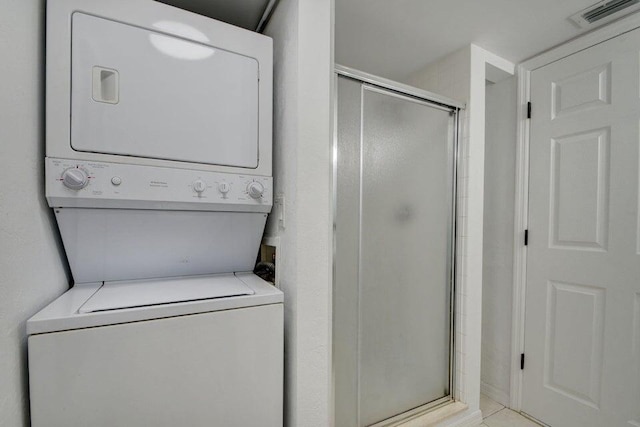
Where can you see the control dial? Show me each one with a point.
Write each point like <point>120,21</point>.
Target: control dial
<point>255,190</point>
<point>199,186</point>
<point>224,187</point>
<point>75,178</point>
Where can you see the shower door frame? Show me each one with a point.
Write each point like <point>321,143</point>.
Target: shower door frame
<point>433,100</point>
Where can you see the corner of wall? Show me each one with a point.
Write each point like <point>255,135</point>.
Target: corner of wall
<point>475,167</point>
<point>303,66</point>
<point>448,76</point>
<point>498,241</point>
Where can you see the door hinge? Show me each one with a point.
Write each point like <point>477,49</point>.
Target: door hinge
<point>528,110</point>
<point>526,237</point>
<point>521,361</point>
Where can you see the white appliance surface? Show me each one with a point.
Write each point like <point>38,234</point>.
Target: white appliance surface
<point>178,100</point>
<point>159,173</point>
<point>172,88</point>
<point>217,362</point>
<point>157,221</point>
<point>65,312</point>
<point>141,293</point>
<point>127,244</point>
<point>115,185</point>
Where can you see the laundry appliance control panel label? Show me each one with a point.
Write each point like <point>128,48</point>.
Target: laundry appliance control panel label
<point>72,183</point>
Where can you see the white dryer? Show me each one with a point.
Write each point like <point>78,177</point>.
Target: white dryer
<point>158,169</point>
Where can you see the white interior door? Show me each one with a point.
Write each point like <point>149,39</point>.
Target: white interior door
<point>582,338</point>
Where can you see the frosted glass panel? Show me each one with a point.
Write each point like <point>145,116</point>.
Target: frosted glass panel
<point>404,255</point>
<point>393,243</point>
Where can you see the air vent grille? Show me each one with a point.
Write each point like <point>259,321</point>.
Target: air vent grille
<point>604,11</point>
<point>607,9</point>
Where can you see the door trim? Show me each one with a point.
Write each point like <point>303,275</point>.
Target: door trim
<point>523,72</point>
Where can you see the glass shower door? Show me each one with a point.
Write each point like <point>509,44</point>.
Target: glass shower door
<point>393,263</point>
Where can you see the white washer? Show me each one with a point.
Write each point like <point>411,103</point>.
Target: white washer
<point>209,362</point>
<point>158,170</point>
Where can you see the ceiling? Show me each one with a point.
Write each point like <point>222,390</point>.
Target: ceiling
<point>394,38</point>
<point>241,13</point>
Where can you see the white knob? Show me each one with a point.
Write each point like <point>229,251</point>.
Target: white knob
<point>199,186</point>
<point>75,178</point>
<point>224,187</point>
<point>255,190</point>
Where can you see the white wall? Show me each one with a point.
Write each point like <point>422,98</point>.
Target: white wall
<point>302,33</point>
<point>32,267</point>
<point>497,275</point>
<point>449,76</point>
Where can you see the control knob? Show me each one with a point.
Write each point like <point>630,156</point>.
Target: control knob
<point>255,190</point>
<point>199,186</point>
<point>224,187</point>
<point>75,178</point>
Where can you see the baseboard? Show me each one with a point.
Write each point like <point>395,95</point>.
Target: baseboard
<point>494,393</point>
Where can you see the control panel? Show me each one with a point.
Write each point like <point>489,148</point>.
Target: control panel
<point>72,183</point>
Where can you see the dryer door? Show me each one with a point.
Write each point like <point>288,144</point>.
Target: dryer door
<point>144,93</point>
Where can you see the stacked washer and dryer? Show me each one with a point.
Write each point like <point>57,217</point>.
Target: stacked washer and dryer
<point>158,169</point>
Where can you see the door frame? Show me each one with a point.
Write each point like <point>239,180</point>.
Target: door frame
<point>523,73</point>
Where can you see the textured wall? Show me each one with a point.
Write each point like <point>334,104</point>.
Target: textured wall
<point>302,33</point>
<point>32,267</point>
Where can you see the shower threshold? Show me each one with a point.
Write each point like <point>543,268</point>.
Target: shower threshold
<point>426,416</point>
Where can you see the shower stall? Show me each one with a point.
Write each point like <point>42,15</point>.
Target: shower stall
<point>395,156</point>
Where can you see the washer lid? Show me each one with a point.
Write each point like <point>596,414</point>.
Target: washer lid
<point>142,293</point>
<point>63,314</point>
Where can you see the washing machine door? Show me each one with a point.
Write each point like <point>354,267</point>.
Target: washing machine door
<point>127,82</point>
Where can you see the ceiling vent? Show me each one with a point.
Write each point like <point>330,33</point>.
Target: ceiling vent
<point>603,12</point>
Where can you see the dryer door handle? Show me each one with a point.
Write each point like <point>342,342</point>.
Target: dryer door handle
<point>106,85</point>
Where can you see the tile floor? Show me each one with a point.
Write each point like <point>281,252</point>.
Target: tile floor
<point>496,415</point>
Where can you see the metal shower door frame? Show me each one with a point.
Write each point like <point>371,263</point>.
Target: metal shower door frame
<point>430,99</point>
